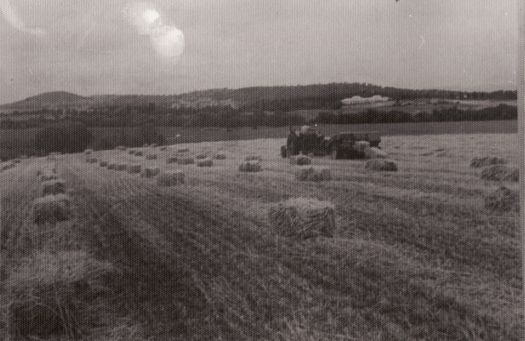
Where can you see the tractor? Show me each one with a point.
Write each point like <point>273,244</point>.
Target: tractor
<point>344,145</point>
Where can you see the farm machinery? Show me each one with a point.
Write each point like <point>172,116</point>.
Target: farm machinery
<point>344,145</point>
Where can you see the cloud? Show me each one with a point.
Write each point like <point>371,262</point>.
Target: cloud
<point>15,21</point>
<point>166,40</point>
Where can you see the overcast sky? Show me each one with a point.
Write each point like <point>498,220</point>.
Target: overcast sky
<point>173,46</point>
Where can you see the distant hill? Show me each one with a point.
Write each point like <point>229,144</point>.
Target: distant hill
<point>283,98</point>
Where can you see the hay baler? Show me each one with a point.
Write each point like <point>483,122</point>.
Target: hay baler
<point>344,145</point>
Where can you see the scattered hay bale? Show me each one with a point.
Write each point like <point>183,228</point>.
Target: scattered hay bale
<point>51,208</point>
<point>303,218</point>
<point>250,166</point>
<point>313,174</point>
<point>151,157</point>
<point>220,156</point>
<point>201,156</point>
<point>150,172</point>
<point>381,165</point>
<point>253,158</point>
<point>185,161</point>
<point>503,200</point>
<point>170,178</point>
<point>300,160</point>
<point>500,173</point>
<point>50,295</point>
<point>183,150</point>
<point>478,162</point>
<point>121,167</point>
<point>172,159</point>
<point>88,151</point>
<point>103,163</point>
<point>57,186</point>
<point>134,169</point>
<point>205,163</point>
<point>361,146</point>
<point>375,153</point>
<point>112,165</point>
<point>139,153</point>
<point>121,148</point>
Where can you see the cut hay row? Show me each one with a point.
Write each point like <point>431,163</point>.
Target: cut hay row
<point>183,150</point>
<point>201,156</point>
<point>220,156</point>
<point>250,166</point>
<point>381,165</point>
<point>185,161</point>
<point>300,160</point>
<point>503,200</point>
<point>479,162</point>
<point>151,157</point>
<point>170,178</point>
<point>134,168</point>
<point>500,173</point>
<point>313,174</point>
<point>303,218</point>
<point>7,166</point>
<point>204,163</point>
<point>172,159</point>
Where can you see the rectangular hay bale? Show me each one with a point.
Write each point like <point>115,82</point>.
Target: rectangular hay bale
<point>51,208</point>
<point>171,178</point>
<point>150,172</point>
<point>313,174</point>
<point>56,186</point>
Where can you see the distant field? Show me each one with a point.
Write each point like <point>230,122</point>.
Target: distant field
<point>415,255</point>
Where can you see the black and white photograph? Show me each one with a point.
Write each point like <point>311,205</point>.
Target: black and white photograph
<point>281,170</point>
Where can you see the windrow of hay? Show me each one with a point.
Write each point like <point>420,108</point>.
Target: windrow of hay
<point>139,153</point>
<point>171,178</point>
<point>500,173</point>
<point>313,174</point>
<point>250,166</point>
<point>150,172</point>
<point>50,294</point>
<point>300,160</point>
<point>163,148</point>
<point>57,186</point>
<point>381,165</point>
<point>204,163</point>
<point>51,208</point>
<point>134,168</point>
<point>478,162</point>
<point>201,156</point>
<point>151,157</point>
<point>7,166</point>
<point>220,156</point>
<point>503,200</point>
<point>183,150</point>
<point>375,153</point>
<point>303,218</point>
<point>172,159</point>
<point>185,161</point>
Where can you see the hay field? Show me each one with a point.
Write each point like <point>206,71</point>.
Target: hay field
<point>415,255</point>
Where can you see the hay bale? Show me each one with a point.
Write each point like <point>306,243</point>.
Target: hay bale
<point>313,174</point>
<point>303,218</point>
<point>121,167</point>
<point>50,295</point>
<point>201,156</point>
<point>220,156</point>
<point>151,157</point>
<point>500,173</point>
<point>253,158</point>
<point>478,162</point>
<point>112,165</point>
<point>170,178</point>
<point>91,160</point>
<point>172,159</point>
<point>185,161</point>
<point>139,153</point>
<point>134,169</point>
<point>503,200</point>
<point>57,186</point>
<point>250,166</point>
<point>51,208</point>
<point>300,160</point>
<point>381,165</point>
<point>183,150</point>
<point>121,148</point>
<point>150,172</point>
<point>103,163</point>
<point>375,153</point>
<point>205,163</point>
<point>361,146</point>
<point>88,151</point>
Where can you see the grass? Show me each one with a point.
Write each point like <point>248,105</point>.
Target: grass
<point>414,255</point>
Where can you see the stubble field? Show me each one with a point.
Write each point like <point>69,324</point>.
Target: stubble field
<point>415,254</point>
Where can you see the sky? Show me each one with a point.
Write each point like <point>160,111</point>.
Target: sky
<point>174,46</point>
